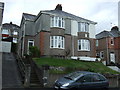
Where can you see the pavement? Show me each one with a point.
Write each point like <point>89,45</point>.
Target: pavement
<point>10,74</point>
<point>0,70</point>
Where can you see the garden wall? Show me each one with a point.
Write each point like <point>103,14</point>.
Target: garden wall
<point>47,79</point>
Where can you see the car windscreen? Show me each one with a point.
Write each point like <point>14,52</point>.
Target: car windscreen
<point>73,76</point>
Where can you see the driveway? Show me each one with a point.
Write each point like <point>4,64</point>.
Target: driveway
<point>10,74</point>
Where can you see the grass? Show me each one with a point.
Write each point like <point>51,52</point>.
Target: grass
<point>73,65</point>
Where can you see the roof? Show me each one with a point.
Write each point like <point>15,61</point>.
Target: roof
<point>112,33</point>
<point>55,12</point>
<point>10,26</point>
<point>65,14</point>
<point>29,16</point>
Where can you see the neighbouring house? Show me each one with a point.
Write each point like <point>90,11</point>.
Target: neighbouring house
<point>108,46</point>
<point>10,32</point>
<point>9,37</point>
<point>58,33</point>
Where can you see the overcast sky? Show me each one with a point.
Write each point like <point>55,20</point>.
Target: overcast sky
<point>104,12</point>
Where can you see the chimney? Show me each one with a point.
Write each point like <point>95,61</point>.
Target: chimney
<point>58,7</point>
<point>10,22</point>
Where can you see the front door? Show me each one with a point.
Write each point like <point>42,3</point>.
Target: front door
<point>112,57</point>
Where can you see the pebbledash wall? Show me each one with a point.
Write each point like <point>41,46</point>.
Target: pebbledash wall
<point>58,33</point>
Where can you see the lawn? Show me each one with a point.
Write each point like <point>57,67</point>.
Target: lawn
<point>73,65</point>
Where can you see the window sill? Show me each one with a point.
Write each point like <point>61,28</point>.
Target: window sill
<point>83,50</point>
<point>56,48</point>
<point>58,27</point>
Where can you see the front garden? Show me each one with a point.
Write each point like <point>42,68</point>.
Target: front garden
<point>66,66</point>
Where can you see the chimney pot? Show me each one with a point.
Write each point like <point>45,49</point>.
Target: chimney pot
<point>58,7</point>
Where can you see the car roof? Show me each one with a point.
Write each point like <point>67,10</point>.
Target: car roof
<point>78,74</point>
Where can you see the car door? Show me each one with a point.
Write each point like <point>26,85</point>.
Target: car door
<point>85,82</point>
<point>98,81</point>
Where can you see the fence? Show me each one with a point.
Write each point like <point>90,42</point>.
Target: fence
<point>25,70</point>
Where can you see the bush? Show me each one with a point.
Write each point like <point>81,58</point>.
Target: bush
<point>34,51</point>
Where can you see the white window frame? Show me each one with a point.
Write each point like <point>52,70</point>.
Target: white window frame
<point>82,27</point>
<point>57,22</point>
<point>30,41</point>
<point>83,45</point>
<point>57,42</point>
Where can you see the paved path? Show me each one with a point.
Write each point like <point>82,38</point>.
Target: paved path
<point>0,70</point>
<point>10,74</point>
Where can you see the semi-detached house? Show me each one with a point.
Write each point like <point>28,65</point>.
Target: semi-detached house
<point>58,33</point>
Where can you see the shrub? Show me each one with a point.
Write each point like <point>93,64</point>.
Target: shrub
<point>34,51</point>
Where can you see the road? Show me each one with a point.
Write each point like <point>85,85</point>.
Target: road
<point>0,70</point>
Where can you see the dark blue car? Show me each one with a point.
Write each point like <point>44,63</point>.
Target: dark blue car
<point>82,80</point>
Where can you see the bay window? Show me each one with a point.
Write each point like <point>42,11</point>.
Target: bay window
<point>83,45</point>
<point>83,27</point>
<point>57,42</point>
<point>57,22</point>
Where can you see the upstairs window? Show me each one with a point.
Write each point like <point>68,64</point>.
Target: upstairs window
<point>15,33</point>
<point>57,42</point>
<point>83,45</point>
<point>97,43</point>
<point>57,22</point>
<point>5,31</point>
<point>83,27</point>
<point>112,41</point>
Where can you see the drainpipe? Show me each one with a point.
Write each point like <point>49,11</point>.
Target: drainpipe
<point>107,50</point>
<point>73,46</point>
<point>23,40</point>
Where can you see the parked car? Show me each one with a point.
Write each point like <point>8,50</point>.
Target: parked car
<point>82,80</point>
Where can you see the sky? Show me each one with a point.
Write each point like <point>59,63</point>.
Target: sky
<point>104,12</point>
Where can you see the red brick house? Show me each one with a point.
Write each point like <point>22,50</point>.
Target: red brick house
<point>108,46</point>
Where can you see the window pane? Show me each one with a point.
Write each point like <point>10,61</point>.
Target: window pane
<point>52,21</point>
<point>4,31</point>
<point>83,44</point>
<point>51,41</point>
<point>83,27</point>
<point>57,42</point>
<point>15,40</point>
<point>60,22</point>
<point>15,33</point>
<point>57,22</point>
